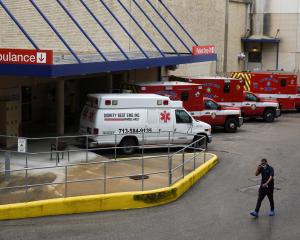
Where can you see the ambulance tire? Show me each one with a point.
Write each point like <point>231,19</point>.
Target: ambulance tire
<point>269,115</point>
<point>231,125</point>
<point>129,145</point>
<point>202,144</point>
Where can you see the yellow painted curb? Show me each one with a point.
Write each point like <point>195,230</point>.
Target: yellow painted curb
<point>105,202</point>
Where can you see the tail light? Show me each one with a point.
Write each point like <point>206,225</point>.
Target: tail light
<point>96,131</point>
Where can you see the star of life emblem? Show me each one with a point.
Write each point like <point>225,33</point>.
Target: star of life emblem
<point>165,116</point>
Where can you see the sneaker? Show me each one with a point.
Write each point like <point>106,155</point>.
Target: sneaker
<point>272,213</point>
<point>254,214</point>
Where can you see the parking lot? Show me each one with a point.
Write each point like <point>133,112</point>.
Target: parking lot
<point>217,207</point>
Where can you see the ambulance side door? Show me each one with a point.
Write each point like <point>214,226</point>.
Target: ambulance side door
<point>151,128</point>
<point>251,105</point>
<point>183,125</point>
<point>165,125</point>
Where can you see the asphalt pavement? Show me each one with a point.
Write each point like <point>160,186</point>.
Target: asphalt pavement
<point>217,207</point>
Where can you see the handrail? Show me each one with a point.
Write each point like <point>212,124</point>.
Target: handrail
<point>173,159</point>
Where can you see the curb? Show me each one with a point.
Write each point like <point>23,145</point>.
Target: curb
<point>106,202</point>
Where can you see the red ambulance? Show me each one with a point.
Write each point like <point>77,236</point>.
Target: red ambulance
<point>230,92</point>
<point>201,108</point>
<point>273,85</point>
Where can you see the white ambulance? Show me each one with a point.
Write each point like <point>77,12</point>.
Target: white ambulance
<point>130,120</point>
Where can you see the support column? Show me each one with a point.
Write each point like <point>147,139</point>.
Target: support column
<point>110,83</point>
<point>60,106</point>
<point>226,37</point>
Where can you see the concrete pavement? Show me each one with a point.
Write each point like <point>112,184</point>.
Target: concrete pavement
<point>215,208</point>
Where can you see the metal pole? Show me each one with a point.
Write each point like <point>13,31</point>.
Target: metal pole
<point>277,56</point>
<point>7,166</point>
<point>169,161</point>
<point>115,147</point>
<point>183,162</point>
<point>226,37</point>
<point>104,170</point>
<point>194,156</point>
<point>26,178</point>
<point>143,170</point>
<point>86,147</point>
<point>169,142</point>
<point>66,181</point>
<point>57,154</point>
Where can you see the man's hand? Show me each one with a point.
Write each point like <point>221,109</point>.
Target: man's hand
<point>265,185</point>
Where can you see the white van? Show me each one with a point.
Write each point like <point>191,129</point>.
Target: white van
<point>129,120</point>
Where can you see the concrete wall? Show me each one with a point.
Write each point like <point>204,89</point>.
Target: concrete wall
<point>238,24</point>
<point>270,15</point>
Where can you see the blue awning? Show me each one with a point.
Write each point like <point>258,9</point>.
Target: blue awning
<point>260,39</point>
<point>177,41</point>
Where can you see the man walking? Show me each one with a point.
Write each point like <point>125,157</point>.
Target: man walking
<point>266,186</point>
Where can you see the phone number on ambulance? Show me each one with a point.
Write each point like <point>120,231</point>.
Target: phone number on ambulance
<point>135,130</point>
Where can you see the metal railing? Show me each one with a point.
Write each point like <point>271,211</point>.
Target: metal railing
<point>33,176</point>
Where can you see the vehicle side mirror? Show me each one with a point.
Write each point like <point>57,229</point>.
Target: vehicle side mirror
<point>191,120</point>
<point>258,100</point>
<point>219,107</point>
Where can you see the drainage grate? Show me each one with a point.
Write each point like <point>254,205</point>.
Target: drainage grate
<point>139,177</point>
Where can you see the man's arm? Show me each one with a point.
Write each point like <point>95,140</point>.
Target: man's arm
<point>270,178</point>
<point>258,170</point>
<point>267,182</point>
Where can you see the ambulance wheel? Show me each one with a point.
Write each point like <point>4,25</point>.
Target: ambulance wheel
<point>231,125</point>
<point>202,144</point>
<point>269,115</point>
<point>128,145</point>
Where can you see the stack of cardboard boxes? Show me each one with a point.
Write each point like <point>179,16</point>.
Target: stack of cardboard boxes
<point>10,120</point>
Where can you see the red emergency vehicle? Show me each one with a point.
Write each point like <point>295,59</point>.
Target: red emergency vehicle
<point>230,92</point>
<point>201,108</point>
<point>273,85</point>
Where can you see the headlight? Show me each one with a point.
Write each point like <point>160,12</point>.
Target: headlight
<point>208,130</point>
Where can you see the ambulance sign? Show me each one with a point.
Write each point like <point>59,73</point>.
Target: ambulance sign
<point>204,50</point>
<point>26,56</point>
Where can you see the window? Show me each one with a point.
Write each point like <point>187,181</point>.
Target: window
<point>283,82</point>
<point>250,97</point>
<point>184,96</point>
<point>226,87</point>
<point>210,105</point>
<point>182,117</point>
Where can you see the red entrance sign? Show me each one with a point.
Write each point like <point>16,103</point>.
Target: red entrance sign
<point>25,56</point>
<point>204,50</point>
